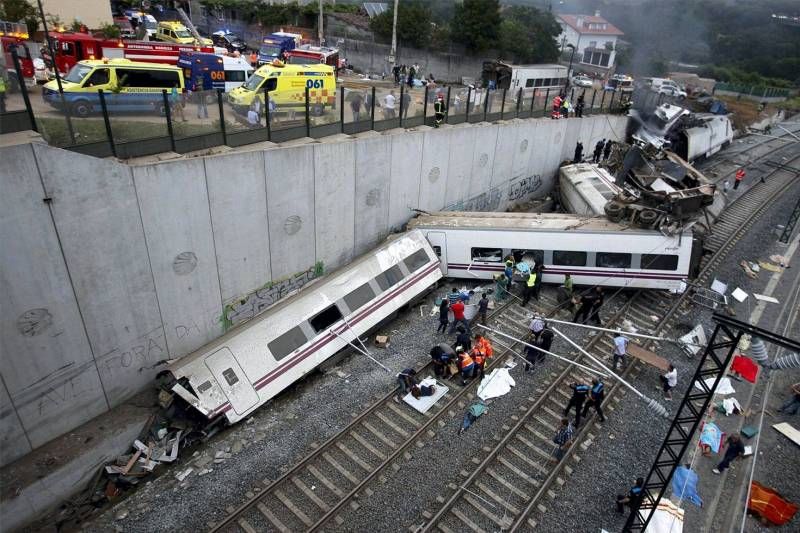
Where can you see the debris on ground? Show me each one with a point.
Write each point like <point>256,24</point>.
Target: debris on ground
<point>748,270</point>
<point>381,341</point>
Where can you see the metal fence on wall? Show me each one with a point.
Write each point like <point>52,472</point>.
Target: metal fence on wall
<point>125,125</point>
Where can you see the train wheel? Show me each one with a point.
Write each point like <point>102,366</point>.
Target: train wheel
<point>648,217</point>
<point>614,211</point>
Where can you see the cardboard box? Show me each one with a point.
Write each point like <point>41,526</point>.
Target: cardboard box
<point>381,341</point>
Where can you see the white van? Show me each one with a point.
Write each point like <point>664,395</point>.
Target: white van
<point>665,86</point>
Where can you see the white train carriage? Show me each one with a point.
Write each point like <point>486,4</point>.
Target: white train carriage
<point>585,188</point>
<point>594,251</point>
<point>247,366</point>
<point>709,136</point>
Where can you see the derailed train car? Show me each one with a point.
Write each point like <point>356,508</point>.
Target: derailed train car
<point>243,369</point>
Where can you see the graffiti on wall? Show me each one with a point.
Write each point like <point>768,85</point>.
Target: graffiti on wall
<point>520,188</point>
<point>488,201</point>
<point>244,308</point>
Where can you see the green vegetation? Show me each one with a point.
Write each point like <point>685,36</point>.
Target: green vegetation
<point>111,31</point>
<point>528,35</point>
<point>279,14</point>
<point>19,11</point>
<point>413,23</point>
<point>477,24</point>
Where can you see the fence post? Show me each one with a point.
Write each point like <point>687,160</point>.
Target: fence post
<point>611,102</point>
<point>168,115</point>
<point>486,103</point>
<point>424,107</point>
<point>268,114</point>
<point>23,88</point>
<point>572,94</point>
<point>341,110</point>
<point>591,106</point>
<point>107,122</point>
<point>533,101</point>
<point>503,104</point>
<point>222,117</point>
<point>546,98</point>
<point>447,109</point>
<point>372,112</point>
<point>602,99</point>
<point>308,115</point>
<point>519,100</point>
<point>469,102</point>
<point>402,87</point>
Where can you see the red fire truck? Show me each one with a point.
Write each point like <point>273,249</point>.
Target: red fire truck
<point>15,35</point>
<point>71,47</point>
<point>307,54</point>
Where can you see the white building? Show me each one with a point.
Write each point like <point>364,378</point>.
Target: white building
<point>594,39</point>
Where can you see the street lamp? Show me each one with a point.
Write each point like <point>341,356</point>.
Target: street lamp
<point>569,68</point>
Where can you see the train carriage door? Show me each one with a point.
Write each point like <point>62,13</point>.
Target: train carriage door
<point>438,240</point>
<point>232,380</point>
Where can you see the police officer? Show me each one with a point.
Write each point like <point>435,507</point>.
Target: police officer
<point>634,497</point>
<point>439,109</point>
<point>596,396</point>
<point>579,392</point>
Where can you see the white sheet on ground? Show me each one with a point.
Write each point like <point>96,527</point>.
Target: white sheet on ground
<point>729,404</point>
<point>695,340</point>
<point>426,402</point>
<point>667,518</point>
<point>724,387</point>
<point>498,383</point>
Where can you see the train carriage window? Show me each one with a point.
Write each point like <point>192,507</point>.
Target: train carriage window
<point>287,343</point>
<point>325,318</point>
<point>536,255</point>
<point>389,277</point>
<point>613,260</point>
<point>569,258</point>
<point>359,297</point>
<point>487,255</point>
<point>230,377</point>
<point>204,386</point>
<point>659,262</point>
<point>438,251</point>
<point>416,260</point>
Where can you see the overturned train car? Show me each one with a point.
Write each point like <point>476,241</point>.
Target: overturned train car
<point>229,378</point>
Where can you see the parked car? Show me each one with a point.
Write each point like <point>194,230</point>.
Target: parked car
<point>672,90</point>
<point>229,41</point>
<point>582,81</point>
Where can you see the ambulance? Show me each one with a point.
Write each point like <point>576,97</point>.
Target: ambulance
<point>175,32</point>
<point>127,86</point>
<point>287,85</point>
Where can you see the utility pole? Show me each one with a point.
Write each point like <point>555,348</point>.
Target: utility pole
<point>393,53</point>
<point>320,32</point>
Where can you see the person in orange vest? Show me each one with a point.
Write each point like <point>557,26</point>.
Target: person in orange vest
<point>253,59</point>
<point>556,113</point>
<point>465,364</point>
<point>739,177</point>
<point>481,352</point>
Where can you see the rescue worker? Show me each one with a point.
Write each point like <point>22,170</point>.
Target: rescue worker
<point>579,393</point>
<point>607,149</point>
<point>463,339</point>
<point>586,302</point>
<point>565,292</point>
<point>634,497</point>
<point>578,153</point>
<point>536,353</point>
<point>740,174</point>
<point>458,316</point>
<point>405,380</point>
<point>565,105</point>
<point>596,305</point>
<point>441,356</point>
<point>620,350</point>
<point>481,351</point>
<point>483,308</point>
<point>485,345</point>
<point>500,287</point>
<point>439,110</point>
<point>579,106</point>
<point>537,286</point>
<point>529,286</point>
<point>253,59</point>
<point>509,272</point>
<point>556,113</point>
<point>598,151</point>
<point>537,326</point>
<point>465,364</point>
<point>596,396</point>
<point>444,320</point>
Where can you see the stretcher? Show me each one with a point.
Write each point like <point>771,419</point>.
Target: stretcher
<point>648,357</point>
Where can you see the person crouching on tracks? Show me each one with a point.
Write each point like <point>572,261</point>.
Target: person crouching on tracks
<point>596,395</point>
<point>442,355</point>
<point>634,497</point>
<point>465,364</point>
<point>405,381</point>
<point>535,354</point>
<point>537,326</point>
<point>579,393</point>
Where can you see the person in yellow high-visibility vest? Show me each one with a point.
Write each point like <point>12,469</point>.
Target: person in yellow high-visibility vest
<point>529,288</point>
<point>2,94</point>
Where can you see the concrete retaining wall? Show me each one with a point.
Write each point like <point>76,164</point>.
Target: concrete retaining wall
<point>108,270</point>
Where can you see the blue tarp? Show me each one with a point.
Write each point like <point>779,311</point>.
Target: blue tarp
<point>684,485</point>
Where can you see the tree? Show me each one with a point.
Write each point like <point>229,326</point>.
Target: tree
<point>413,23</point>
<point>529,35</point>
<point>476,24</point>
<point>19,11</point>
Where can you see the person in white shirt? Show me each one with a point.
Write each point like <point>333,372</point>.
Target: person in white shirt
<point>620,349</point>
<point>668,382</point>
<point>388,105</point>
<point>536,326</point>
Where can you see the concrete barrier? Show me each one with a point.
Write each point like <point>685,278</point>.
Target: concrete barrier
<point>110,269</point>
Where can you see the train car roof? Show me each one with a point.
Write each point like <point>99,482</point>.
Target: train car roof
<point>308,293</point>
<point>522,222</point>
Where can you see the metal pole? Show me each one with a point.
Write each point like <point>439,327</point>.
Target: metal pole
<point>602,99</point>
<point>546,97</point>
<point>168,115</point>
<point>503,104</point>
<point>308,117</point>
<point>607,330</point>
<point>519,100</point>
<point>469,101</point>
<point>393,53</point>
<point>320,29</point>
<point>58,76</point>
<point>486,103</point>
<point>570,361</point>
<point>222,117</point>
<point>341,110</point>
<point>533,100</point>
<point>23,88</point>
<point>611,102</point>
<point>372,113</point>
<point>268,114</point>
<point>594,93</point>
<point>447,109</point>
<point>107,122</point>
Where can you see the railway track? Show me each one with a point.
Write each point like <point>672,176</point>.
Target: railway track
<point>330,481</point>
<point>507,489</point>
